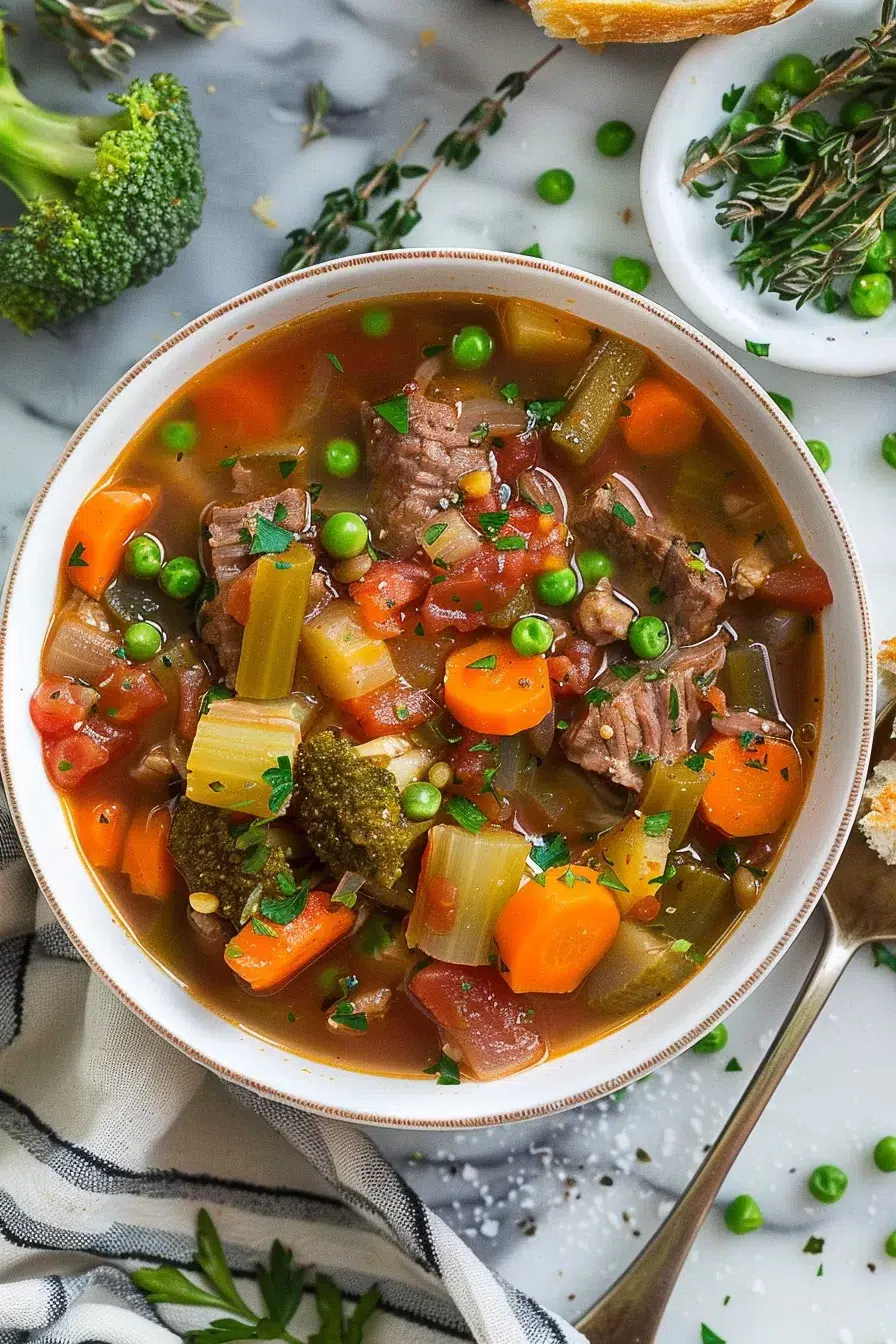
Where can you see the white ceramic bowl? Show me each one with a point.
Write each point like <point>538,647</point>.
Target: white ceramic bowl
<point>695,252</point>
<point>616,1059</point>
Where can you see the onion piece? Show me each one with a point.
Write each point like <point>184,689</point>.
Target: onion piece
<point>82,645</point>
<point>449,538</point>
<point>540,738</point>
<point>347,889</point>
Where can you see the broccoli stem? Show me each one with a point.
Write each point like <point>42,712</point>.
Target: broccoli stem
<point>43,153</point>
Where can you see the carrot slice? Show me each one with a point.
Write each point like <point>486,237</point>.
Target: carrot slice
<point>101,828</point>
<point>266,955</point>
<point>491,688</point>
<point>99,530</point>
<point>237,596</point>
<point>246,403</point>
<point>661,419</point>
<point>145,859</point>
<point>550,936</point>
<point>755,785</point>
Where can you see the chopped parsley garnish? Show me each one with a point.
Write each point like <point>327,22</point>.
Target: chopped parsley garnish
<point>76,559</point>
<point>657,595</point>
<point>512,543</point>
<point>733,1065</point>
<point>623,514</point>
<point>607,878</point>
<point>533,250</point>
<point>402,713</point>
<point>486,664</point>
<point>335,361</point>
<point>657,823</point>
<point>287,466</point>
<point>674,707</point>
<point>681,945</point>
<point>553,852</point>
<point>642,757</point>
<point>483,746</point>
<point>758,765</point>
<point>314,490</point>
<point>883,956</point>
<point>256,858</point>
<point>270,538</point>
<point>697,760</point>
<point>466,814</point>
<point>479,433</point>
<point>624,671</point>
<point>433,532</point>
<point>212,694</point>
<point>491,523</point>
<point>759,348</point>
<point>259,926</point>
<point>279,777</point>
<point>544,412</point>
<point>228,461</point>
<point>292,904</point>
<point>395,412</point>
<point>814,1246</point>
<point>344,1015</point>
<point>64,766</point>
<point>731,99</point>
<point>708,1336</point>
<point>445,1070</point>
<point>728,858</point>
<point>665,877</point>
<point>510,392</point>
<point>430,350</point>
<point>377,934</point>
<point>747,740</point>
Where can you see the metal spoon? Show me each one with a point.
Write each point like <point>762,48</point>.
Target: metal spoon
<point>860,905</point>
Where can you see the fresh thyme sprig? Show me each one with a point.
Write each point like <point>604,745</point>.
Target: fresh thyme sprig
<point>348,208</point>
<point>100,37</point>
<point>281,1284</point>
<point>813,223</point>
<point>318,102</point>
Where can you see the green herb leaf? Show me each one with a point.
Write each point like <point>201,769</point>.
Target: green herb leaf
<point>759,348</point>
<point>814,1246</point>
<point>883,956</point>
<point>259,926</point>
<point>607,878</point>
<point>486,664</point>
<point>256,858</point>
<point>657,823</point>
<point>377,934</point>
<point>430,350</point>
<point>510,392</point>
<point>229,461</point>
<point>642,757</point>
<point>681,945</point>
<point>623,514</point>
<point>167,1284</point>
<point>667,876</point>
<point>512,543</point>
<point>343,1013</point>
<point>728,858</point>
<point>210,1259</point>
<point>433,532</point>
<point>212,694</point>
<point>733,1065</point>
<point>479,433</point>
<point>784,403</point>
<point>697,760</point>
<point>446,1071</point>
<point>281,1284</point>
<point>748,740</point>
<point>335,361</point>
<point>542,413</point>
<point>279,777</point>
<point>287,466</point>
<point>598,696</point>
<point>465,813</point>
<point>270,538</point>
<point>395,412</point>
<point>708,1336</point>
<point>552,852</point>
<point>657,595</point>
<point>624,671</point>
<point>674,706</point>
<point>731,99</point>
<point>491,523</point>
<point>76,559</point>
<point>533,250</point>
<point>291,906</point>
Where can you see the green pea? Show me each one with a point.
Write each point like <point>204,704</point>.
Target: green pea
<point>531,636</point>
<point>829,300</point>
<point>765,166</point>
<point>420,801</point>
<point>797,74</point>
<point>178,436</point>
<point>142,641</point>
<point>857,110</point>
<point>180,577</point>
<point>472,348</point>
<point>768,100</point>
<point>870,295</point>
<point>742,123</point>
<point>594,566</point>
<point>631,273</point>
<point>376,322</point>
<point>890,1245</point>
<point>885,1153</point>
<point>813,125</point>
<point>556,587</point>
<point>743,1215</point>
<point>555,186</point>
<point>648,637</point>
<point>342,457</point>
<point>143,557</point>
<point>344,535</point>
<point>712,1042</point>
<point>888,449</point>
<point>821,452</point>
<point>614,138</point>
<point>828,1184</point>
<point>881,254</point>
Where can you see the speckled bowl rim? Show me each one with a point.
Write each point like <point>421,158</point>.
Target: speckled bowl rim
<point>344,266</point>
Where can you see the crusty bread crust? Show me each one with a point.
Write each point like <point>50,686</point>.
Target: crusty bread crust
<point>593,22</point>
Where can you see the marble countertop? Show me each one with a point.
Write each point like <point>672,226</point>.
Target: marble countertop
<point>560,1205</point>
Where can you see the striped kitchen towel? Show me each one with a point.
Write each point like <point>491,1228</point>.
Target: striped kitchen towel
<point>111,1141</point>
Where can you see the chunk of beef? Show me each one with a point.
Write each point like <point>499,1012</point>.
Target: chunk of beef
<point>613,516</point>
<point>657,717</point>
<point>232,528</point>
<point>601,616</point>
<point>749,572</point>
<point>540,488</point>
<point>223,635</point>
<point>741,721</point>
<point>412,475</point>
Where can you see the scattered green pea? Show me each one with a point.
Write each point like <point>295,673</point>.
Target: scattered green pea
<point>342,457</point>
<point>890,1245</point>
<point>742,123</point>
<point>614,138</point>
<point>828,1184</point>
<point>870,294</point>
<point>594,566</point>
<point>797,74</point>
<point>556,587</point>
<point>768,100</point>
<point>344,535</point>
<point>712,1042</point>
<point>821,452</point>
<point>142,641</point>
<point>648,637</point>
<point>857,110</point>
<point>178,436</point>
<point>376,321</point>
<point>420,801</point>
<point>472,348</point>
<point>631,273</point>
<point>882,253</point>
<point>180,577</point>
<point>143,557</point>
<point>885,1153</point>
<point>888,449</point>
<point>743,1215</point>
<point>555,186</point>
<point>531,636</point>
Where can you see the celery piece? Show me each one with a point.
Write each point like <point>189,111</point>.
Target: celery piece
<point>698,904</point>
<point>343,659</point>
<point>533,332</point>
<point>448,538</point>
<point>276,611</point>
<point>243,753</point>
<point>700,484</point>
<point>465,881</point>
<point>636,857</point>
<point>641,967</point>
<point>594,402</point>
<point>675,789</point>
<point>747,680</point>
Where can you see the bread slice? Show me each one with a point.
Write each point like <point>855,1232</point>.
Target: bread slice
<point>878,825</point>
<point>592,22</point>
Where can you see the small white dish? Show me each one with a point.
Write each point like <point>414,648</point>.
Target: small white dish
<point>695,252</point>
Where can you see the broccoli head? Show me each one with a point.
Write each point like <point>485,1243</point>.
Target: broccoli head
<point>350,810</point>
<point>230,861</point>
<point>109,201</point>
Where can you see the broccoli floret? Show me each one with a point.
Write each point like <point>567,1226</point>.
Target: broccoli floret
<point>230,861</point>
<point>350,810</point>
<point>109,201</point>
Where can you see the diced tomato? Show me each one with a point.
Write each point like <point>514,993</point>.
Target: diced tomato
<point>480,1016</point>
<point>116,741</point>
<point>59,705</point>
<point>800,586</point>
<point>517,453</point>
<point>473,755</point>
<point>395,707</point>
<point>237,596</point>
<point>646,910</point>
<point>129,694</point>
<point>70,759</point>
<point>385,592</point>
<point>193,682</point>
<point>572,671</point>
<point>473,589</point>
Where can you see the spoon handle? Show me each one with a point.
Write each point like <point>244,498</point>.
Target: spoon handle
<point>632,1309</point>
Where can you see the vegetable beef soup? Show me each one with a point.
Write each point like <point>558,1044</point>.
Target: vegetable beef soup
<point>433,685</point>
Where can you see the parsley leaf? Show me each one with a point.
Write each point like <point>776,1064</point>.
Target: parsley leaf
<point>708,1336</point>
<point>642,757</point>
<point>543,412</point>
<point>623,514</point>
<point>883,956</point>
<point>759,348</point>
<point>511,543</point>
<point>76,559</point>
<point>553,852</point>
<point>292,904</point>
<point>270,538</point>
<point>814,1246</point>
<point>731,99</point>
<point>430,350</point>
<point>510,392</point>
<point>432,533</point>
<point>466,814</point>
<point>598,696</point>
<point>287,466</point>
<point>446,1071</point>
<point>657,823</point>
<point>486,664</point>
<point>624,671</point>
<point>395,412</point>
<point>279,777</point>
<point>733,1065</point>
<point>491,523</point>
<point>334,359</point>
<point>607,878</point>
<point>533,250</point>
<point>674,706</point>
<point>344,1015</point>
